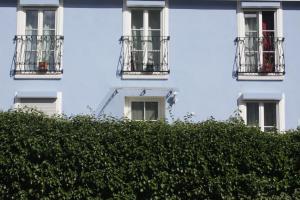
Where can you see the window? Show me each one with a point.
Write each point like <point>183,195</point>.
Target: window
<point>263,114</point>
<point>144,108</point>
<point>38,42</point>
<point>145,42</point>
<point>47,105</point>
<point>260,43</point>
<point>266,114</point>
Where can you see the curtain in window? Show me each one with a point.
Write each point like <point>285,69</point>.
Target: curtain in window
<point>268,41</point>
<point>31,42</point>
<point>153,62</point>
<point>48,39</point>
<point>251,42</point>
<point>137,29</point>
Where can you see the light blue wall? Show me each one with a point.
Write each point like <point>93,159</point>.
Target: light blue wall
<point>201,55</point>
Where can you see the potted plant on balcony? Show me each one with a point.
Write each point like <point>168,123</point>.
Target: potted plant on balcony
<point>43,66</point>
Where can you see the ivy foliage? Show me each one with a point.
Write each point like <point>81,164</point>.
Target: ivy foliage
<point>87,158</point>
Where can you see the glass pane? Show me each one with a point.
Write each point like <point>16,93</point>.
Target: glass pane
<point>137,39</point>
<point>151,110</point>
<point>252,114</point>
<point>268,62</point>
<point>268,41</point>
<point>136,61</point>
<point>270,114</point>
<point>251,61</point>
<point>268,20</point>
<point>137,19</point>
<point>251,22</point>
<point>49,22</point>
<point>153,62</point>
<point>251,42</point>
<point>31,22</point>
<point>154,19</point>
<point>48,42</point>
<point>137,110</point>
<point>31,43</point>
<point>30,60</point>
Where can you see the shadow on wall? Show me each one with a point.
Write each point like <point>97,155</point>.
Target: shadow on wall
<point>120,60</point>
<point>13,61</point>
<point>109,97</point>
<point>93,4</point>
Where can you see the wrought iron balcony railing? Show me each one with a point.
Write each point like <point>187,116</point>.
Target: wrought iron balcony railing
<point>260,56</point>
<point>38,54</point>
<point>145,55</point>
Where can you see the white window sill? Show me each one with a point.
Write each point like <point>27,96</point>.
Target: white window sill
<point>38,76</point>
<point>257,77</point>
<point>145,76</point>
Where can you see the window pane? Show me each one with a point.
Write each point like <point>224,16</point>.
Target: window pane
<point>30,60</point>
<point>251,61</point>
<point>49,22</point>
<point>251,22</point>
<point>270,114</point>
<point>268,62</point>
<point>151,110</point>
<point>137,110</point>
<point>154,19</point>
<point>268,20</point>
<point>268,41</point>
<point>137,19</point>
<point>31,22</point>
<point>252,114</point>
<point>251,43</point>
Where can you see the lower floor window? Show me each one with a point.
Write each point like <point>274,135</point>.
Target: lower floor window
<point>47,105</point>
<point>262,114</point>
<point>144,108</point>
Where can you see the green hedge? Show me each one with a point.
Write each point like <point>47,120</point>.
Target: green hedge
<point>87,158</point>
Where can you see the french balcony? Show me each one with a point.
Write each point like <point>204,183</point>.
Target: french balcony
<point>145,56</point>
<point>260,57</point>
<point>38,55</point>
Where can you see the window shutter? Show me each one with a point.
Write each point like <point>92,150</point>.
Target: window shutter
<point>39,2</point>
<point>46,105</point>
<point>139,3</point>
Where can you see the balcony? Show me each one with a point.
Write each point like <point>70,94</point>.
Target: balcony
<point>38,56</point>
<point>145,56</point>
<point>260,57</point>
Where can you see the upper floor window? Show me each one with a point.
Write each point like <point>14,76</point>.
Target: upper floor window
<point>38,43</point>
<point>260,45</point>
<point>145,43</point>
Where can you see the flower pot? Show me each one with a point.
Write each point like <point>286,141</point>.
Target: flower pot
<point>43,66</point>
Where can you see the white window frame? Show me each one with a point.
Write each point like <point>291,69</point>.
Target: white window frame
<point>127,32</point>
<point>280,112</point>
<point>58,102</point>
<point>21,28</point>
<point>159,100</point>
<point>278,28</point>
